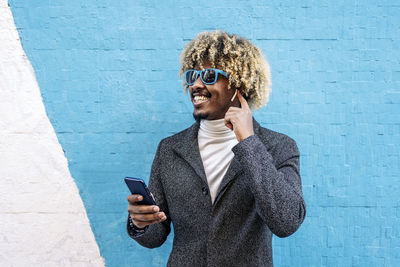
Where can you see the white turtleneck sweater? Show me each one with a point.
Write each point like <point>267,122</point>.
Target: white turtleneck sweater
<point>215,143</point>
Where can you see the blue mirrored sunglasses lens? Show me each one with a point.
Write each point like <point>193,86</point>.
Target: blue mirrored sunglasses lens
<point>208,76</point>
<point>190,77</point>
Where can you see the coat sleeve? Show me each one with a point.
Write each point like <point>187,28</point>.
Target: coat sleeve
<point>276,186</point>
<point>155,234</point>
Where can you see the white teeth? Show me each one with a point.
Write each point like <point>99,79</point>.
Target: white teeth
<point>200,98</point>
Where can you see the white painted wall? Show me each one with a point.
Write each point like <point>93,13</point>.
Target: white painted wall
<point>42,218</point>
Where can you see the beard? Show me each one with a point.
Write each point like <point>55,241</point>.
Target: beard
<point>199,117</point>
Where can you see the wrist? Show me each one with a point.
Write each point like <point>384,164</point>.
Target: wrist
<point>134,228</point>
<point>241,137</point>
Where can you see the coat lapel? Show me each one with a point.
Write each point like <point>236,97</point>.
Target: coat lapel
<point>230,175</point>
<point>188,149</point>
<point>234,169</point>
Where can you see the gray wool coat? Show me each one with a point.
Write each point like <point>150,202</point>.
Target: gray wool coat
<point>260,195</point>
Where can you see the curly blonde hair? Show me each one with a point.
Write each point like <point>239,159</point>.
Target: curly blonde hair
<point>245,64</point>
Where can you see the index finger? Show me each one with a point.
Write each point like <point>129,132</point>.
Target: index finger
<point>135,198</point>
<point>242,101</point>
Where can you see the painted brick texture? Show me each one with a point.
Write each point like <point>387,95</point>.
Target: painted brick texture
<point>43,219</point>
<point>108,74</point>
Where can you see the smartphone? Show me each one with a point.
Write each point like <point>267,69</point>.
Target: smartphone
<point>138,186</point>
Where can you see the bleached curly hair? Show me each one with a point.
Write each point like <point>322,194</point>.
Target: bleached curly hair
<point>245,64</point>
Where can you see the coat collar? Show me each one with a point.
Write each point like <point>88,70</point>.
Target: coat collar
<point>188,149</point>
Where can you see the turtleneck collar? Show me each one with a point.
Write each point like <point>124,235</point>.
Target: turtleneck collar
<point>215,127</point>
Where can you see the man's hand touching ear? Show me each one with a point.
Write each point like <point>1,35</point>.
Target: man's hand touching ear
<point>240,120</point>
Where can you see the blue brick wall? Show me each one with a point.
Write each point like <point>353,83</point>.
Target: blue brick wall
<point>108,73</point>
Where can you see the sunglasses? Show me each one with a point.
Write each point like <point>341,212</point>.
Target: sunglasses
<point>208,76</point>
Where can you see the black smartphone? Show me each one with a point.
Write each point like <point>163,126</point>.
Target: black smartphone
<point>138,186</point>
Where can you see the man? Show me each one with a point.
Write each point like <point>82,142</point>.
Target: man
<point>226,183</point>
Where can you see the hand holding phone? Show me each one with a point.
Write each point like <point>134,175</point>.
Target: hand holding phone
<point>138,186</point>
<point>142,207</point>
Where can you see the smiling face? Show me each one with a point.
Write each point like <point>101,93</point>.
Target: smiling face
<point>211,101</point>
